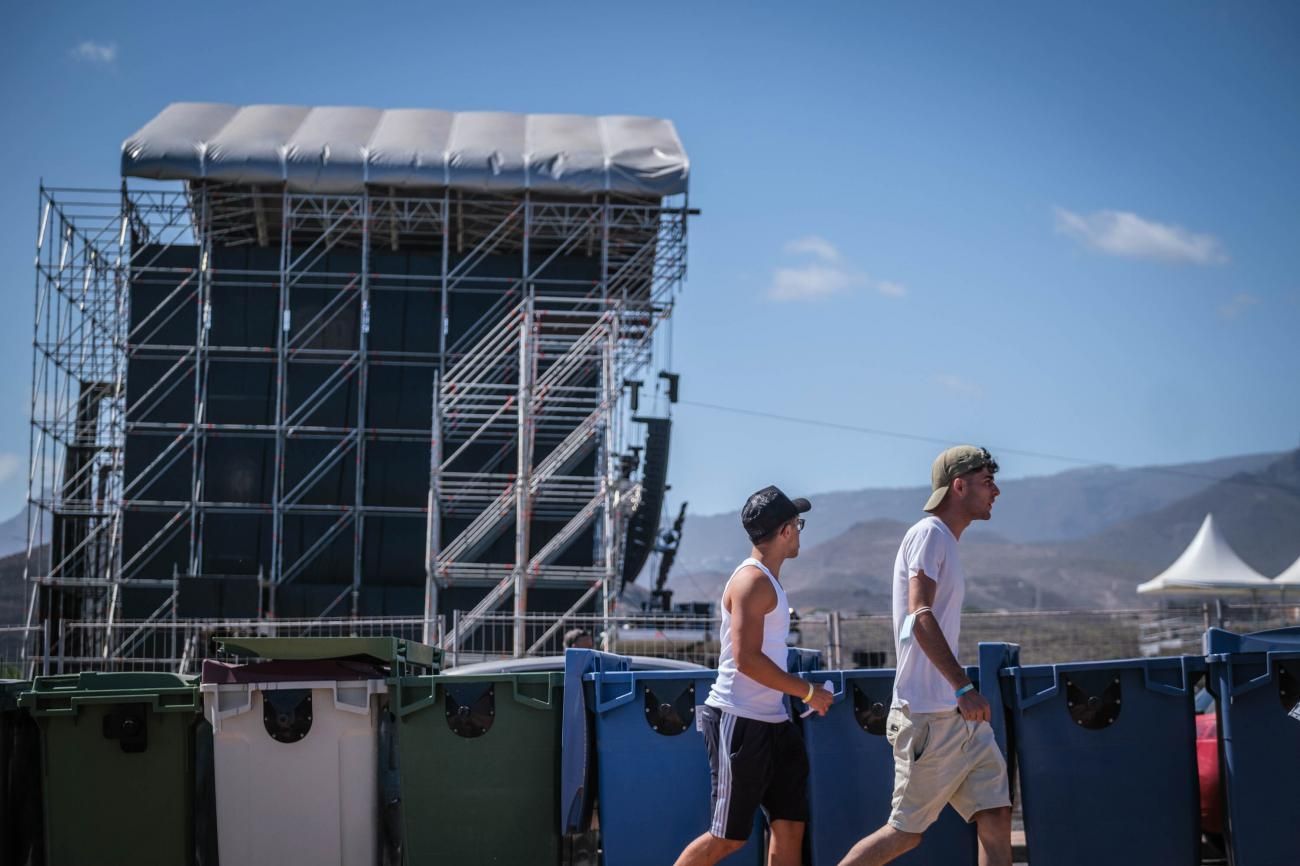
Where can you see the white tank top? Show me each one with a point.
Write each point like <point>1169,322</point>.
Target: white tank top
<point>733,691</point>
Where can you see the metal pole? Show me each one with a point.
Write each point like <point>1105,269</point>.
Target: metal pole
<point>120,336</point>
<point>455,636</point>
<point>444,303</point>
<point>281,395</point>
<point>363,379</point>
<point>203,322</point>
<point>36,472</point>
<point>171,643</point>
<point>833,636</point>
<point>612,540</point>
<point>434,525</point>
<point>523,495</point>
<point>434,551</point>
<point>609,522</point>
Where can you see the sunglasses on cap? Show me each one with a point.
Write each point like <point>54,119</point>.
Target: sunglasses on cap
<point>986,460</point>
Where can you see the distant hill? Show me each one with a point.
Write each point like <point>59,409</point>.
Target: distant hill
<point>1259,512</point>
<point>13,533</point>
<point>13,591</point>
<point>852,572</point>
<point>1069,505</point>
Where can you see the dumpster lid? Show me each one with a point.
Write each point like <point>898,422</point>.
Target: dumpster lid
<point>118,682</point>
<point>1221,642</point>
<point>63,694</point>
<point>341,670</point>
<point>385,650</point>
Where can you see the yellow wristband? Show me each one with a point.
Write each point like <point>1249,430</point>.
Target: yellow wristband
<point>808,697</point>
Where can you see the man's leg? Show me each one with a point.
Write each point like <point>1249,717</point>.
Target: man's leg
<point>785,846</point>
<point>920,790</point>
<point>994,829</point>
<point>786,799</point>
<point>887,843</point>
<point>985,797</point>
<point>708,850</point>
<point>739,763</point>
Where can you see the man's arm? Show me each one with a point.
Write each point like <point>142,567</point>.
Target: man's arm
<point>930,638</point>
<point>752,598</point>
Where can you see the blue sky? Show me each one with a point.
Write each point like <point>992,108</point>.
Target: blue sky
<point>1070,231</point>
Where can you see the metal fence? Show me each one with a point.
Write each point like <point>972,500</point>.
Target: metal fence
<point>179,646</point>
<point>851,640</point>
<point>685,637</point>
<point>17,642</point>
<point>1045,637</point>
<point>846,640</point>
<point>1048,637</point>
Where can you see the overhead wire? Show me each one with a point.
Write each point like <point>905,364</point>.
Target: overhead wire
<point>1020,452</point>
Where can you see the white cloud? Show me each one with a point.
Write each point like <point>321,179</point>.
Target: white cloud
<point>810,282</point>
<point>1240,302</point>
<point>96,52</point>
<point>814,246</point>
<point>829,273</point>
<point>1120,233</point>
<point>959,386</point>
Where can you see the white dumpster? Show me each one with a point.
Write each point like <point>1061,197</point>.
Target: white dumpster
<point>296,747</point>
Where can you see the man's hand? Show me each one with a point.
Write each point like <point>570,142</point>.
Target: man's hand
<point>821,700</point>
<point>974,708</point>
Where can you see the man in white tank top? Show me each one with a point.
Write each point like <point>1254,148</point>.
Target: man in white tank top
<point>944,749</point>
<point>756,754</point>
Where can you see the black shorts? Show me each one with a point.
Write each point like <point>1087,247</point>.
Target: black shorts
<point>754,764</point>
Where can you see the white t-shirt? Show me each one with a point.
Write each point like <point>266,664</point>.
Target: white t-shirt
<point>931,547</point>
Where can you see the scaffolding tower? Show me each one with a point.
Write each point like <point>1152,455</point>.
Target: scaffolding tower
<point>270,397</point>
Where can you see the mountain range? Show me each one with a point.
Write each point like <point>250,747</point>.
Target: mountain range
<point>1080,539</point>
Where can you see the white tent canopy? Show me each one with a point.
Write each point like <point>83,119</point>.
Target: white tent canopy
<point>1208,567</point>
<point>1290,577</point>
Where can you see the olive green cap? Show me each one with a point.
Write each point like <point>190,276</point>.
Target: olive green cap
<point>952,463</point>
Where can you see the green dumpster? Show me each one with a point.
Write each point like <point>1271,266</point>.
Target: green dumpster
<point>479,758</point>
<point>118,762</point>
<point>20,779</point>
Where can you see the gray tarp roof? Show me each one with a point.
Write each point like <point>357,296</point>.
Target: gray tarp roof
<point>343,150</point>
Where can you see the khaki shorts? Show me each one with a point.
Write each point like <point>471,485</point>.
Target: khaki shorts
<point>941,758</point>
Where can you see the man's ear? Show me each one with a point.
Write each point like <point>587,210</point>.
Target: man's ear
<point>958,486</point>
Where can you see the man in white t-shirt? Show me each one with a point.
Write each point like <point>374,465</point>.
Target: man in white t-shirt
<point>944,749</point>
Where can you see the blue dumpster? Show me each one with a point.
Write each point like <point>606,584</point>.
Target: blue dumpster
<point>799,659</point>
<point>1107,757</point>
<point>851,774</point>
<point>1256,679</point>
<point>652,765</point>
<point>578,737</point>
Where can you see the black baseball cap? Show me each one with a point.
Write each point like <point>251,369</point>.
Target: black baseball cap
<point>769,508</point>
